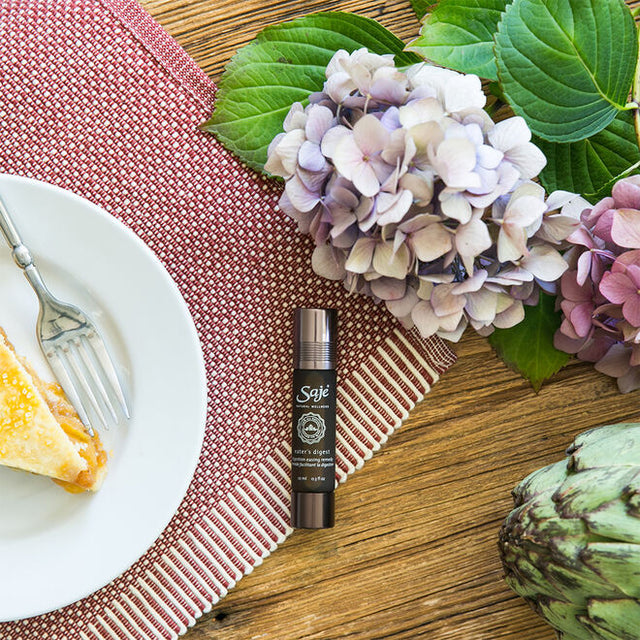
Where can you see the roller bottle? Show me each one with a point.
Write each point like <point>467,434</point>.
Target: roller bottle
<point>313,442</point>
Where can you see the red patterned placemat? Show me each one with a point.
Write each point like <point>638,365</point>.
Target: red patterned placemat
<point>98,99</point>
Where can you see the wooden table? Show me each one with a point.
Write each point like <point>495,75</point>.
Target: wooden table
<point>413,553</point>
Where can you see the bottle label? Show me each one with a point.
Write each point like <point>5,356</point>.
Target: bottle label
<point>314,431</point>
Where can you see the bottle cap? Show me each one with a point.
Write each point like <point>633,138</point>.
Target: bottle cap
<point>314,338</point>
<point>312,510</point>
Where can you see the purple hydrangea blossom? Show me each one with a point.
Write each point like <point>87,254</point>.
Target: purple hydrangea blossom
<point>414,196</point>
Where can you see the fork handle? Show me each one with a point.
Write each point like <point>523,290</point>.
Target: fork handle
<point>8,228</point>
<point>20,252</point>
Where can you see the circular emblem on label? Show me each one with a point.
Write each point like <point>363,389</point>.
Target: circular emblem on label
<point>311,428</point>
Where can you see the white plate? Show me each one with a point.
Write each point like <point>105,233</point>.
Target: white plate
<point>55,547</point>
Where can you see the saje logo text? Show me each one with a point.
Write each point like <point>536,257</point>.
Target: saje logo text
<point>315,394</point>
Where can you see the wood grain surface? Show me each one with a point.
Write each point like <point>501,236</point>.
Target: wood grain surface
<point>414,550</point>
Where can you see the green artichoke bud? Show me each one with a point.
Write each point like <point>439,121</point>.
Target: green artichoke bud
<point>571,545</point>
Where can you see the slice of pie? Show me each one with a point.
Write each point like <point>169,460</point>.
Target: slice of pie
<point>40,430</point>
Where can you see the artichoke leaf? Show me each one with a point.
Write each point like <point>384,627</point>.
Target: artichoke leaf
<point>526,588</point>
<point>564,616</point>
<point>564,529</point>
<point>528,581</point>
<point>615,521</point>
<point>574,582</point>
<point>587,491</point>
<point>552,578</point>
<point>618,618</point>
<point>548,477</point>
<point>567,549</point>
<point>618,563</point>
<point>538,510</point>
<point>540,520</point>
<point>618,448</point>
<point>598,434</point>
<point>597,632</point>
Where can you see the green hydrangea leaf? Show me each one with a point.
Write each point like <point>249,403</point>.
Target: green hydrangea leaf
<point>283,65</point>
<point>607,187</point>
<point>566,66</point>
<point>528,347</point>
<point>589,166</point>
<point>421,7</point>
<point>459,34</point>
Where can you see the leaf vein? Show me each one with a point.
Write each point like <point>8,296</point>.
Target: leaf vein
<point>579,55</point>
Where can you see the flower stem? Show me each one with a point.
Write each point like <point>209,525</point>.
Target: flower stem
<point>460,273</point>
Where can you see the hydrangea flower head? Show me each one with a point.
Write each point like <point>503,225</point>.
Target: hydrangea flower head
<point>600,293</point>
<point>414,196</point>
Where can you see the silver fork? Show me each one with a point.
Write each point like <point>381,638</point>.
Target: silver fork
<point>71,344</point>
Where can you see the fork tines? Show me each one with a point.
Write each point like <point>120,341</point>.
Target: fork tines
<point>84,369</point>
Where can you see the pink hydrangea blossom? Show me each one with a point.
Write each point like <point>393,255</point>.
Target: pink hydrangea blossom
<point>600,293</point>
<point>621,285</point>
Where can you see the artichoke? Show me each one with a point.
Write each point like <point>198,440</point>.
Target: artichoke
<point>571,545</point>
